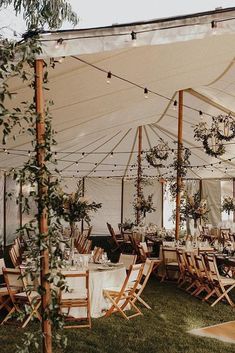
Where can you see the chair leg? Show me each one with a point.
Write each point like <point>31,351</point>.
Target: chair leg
<point>141,301</point>
<point>8,315</point>
<point>34,311</point>
<point>225,294</point>
<point>113,307</point>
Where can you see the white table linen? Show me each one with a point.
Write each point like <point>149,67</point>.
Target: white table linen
<point>98,280</point>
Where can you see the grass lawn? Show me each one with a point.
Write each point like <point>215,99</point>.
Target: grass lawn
<point>162,329</point>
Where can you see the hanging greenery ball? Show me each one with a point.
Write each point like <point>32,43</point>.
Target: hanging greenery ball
<point>225,127</point>
<point>156,153</point>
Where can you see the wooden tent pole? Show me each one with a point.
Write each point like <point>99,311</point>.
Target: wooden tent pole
<point>179,156</point>
<point>43,213</point>
<point>139,170</point>
<point>83,194</point>
<point>5,213</point>
<point>122,200</point>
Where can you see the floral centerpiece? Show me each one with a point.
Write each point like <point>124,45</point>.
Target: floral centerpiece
<point>194,207</point>
<point>144,205</point>
<point>228,204</point>
<point>73,207</point>
<point>126,225</point>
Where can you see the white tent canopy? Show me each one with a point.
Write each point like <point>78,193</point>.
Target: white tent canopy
<point>96,121</point>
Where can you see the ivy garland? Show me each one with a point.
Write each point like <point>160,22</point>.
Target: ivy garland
<point>141,204</point>
<point>181,165</point>
<point>20,120</point>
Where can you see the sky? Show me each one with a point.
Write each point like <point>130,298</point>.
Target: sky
<point>98,13</point>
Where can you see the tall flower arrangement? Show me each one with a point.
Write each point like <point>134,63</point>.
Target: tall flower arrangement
<point>73,207</point>
<point>194,207</point>
<point>144,205</point>
<point>228,204</point>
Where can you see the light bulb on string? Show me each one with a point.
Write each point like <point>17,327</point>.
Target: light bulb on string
<point>111,154</point>
<point>83,154</point>
<point>59,43</point>
<point>201,114</point>
<point>134,38</point>
<point>146,92</point>
<point>214,26</point>
<point>29,153</point>
<point>175,104</point>
<point>109,76</point>
<point>61,59</point>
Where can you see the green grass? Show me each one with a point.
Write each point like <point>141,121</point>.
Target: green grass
<point>161,330</point>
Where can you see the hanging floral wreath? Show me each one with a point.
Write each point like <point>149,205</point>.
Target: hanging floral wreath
<point>205,135</point>
<point>156,153</point>
<point>218,148</point>
<point>225,132</point>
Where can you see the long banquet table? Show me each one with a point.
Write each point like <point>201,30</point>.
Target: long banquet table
<point>100,277</point>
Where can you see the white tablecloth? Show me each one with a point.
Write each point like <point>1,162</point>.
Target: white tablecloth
<point>98,280</point>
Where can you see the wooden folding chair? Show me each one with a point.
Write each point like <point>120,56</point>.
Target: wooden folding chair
<point>13,256</point>
<point>147,270</point>
<point>183,269</point>
<point>192,272</point>
<point>222,285</point>
<point>4,295</point>
<point>22,295</point>
<point>203,284</point>
<point>97,255</point>
<point>76,297</point>
<point>123,298</point>
<point>144,255</point>
<point>116,239</point>
<point>86,246</point>
<point>224,235</point>
<point>127,260</point>
<point>170,261</point>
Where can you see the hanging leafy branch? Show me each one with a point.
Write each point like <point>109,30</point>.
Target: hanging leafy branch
<point>43,13</point>
<point>181,163</point>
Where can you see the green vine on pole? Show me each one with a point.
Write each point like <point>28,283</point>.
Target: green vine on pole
<point>17,60</point>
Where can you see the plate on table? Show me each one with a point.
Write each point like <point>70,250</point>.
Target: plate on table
<point>116,264</point>
<point>104,268</point>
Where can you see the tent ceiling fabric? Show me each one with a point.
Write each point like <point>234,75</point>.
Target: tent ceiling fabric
<point>96,118</point>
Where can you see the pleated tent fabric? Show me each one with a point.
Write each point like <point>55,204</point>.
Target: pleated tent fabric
<point>97,122</point>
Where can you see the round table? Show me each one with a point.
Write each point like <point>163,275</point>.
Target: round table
<point>100,277</point>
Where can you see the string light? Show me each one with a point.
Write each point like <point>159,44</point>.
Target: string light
<point>29,153</point>
<point>146,92</point>
<point>111,154</point>
<point>214,27</point>
<point>59,43</point>
<point>83,154</point>
<point>175,104</point>
<point>133,35</point>
<point>109,76</point>
<point>213,24</point>
<point>201,114</point>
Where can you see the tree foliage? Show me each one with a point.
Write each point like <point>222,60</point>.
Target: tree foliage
<point>41,13</point>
